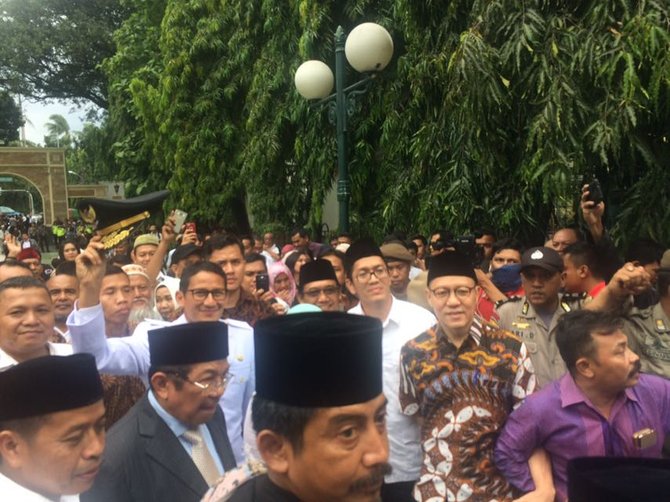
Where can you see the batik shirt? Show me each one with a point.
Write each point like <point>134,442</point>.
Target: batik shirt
<point>463,397</point>
<point>248,309</point>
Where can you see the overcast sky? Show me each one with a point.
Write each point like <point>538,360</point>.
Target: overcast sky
<point>37,114</point>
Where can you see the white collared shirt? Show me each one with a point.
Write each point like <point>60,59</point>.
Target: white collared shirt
<point>130,356</point>
<point>405,321</point>
<point>55,349</point>
<point>14,492</point>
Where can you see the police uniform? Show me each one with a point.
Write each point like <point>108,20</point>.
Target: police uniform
<point>518,316</point>
<point>648,332</point>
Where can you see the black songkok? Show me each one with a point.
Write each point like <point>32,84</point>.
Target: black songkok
<point>318,359</point>
<point>190,343</point>
<point>618,479</point>
<point>47,385</point>
<point>362,248</point>
<point>450,263</point>
<point>316,270</point>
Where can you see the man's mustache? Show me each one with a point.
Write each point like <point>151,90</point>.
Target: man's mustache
<point>373,480</point>
<point>636,369</point>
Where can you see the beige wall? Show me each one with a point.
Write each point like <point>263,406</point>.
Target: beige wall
<point>44,168</point>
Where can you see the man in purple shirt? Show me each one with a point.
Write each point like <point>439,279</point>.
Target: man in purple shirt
<point>603,406</point>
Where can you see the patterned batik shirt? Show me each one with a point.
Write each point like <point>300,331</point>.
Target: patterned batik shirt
<point>463,397</point>
<point>248,309</point>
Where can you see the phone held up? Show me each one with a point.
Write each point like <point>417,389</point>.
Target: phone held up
<point>179,219</point>
<point>190,227</point>
<point>595,192</point>
<point>263,282</point>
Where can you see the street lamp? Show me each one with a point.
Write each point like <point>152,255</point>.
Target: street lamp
<point>368,48</point>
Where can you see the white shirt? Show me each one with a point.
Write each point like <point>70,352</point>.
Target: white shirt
<point>130,356</point>
<point>405,321</point>
<point>55,349</point>
<point>14,492</point>
<point>269,260</point>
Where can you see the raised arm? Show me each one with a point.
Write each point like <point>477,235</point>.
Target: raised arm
<point>167,239</point>
<point>121,356</point>
<point>628,280</point>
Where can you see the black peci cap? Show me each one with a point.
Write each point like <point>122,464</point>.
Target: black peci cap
<point>618,479</point>
<point>189,343</point>
<point>362,248</point>
<point>450,263</point>
<point>319,359</point>
<point>316,270</point>
<point>47,385</point>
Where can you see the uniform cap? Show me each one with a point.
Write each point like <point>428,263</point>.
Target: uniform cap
<point>543,257</point>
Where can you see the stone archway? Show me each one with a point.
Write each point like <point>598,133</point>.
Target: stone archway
<point>45,169</point>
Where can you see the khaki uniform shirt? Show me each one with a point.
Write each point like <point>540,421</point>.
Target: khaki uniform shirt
<point>648,332</point>
<point>518,316</point>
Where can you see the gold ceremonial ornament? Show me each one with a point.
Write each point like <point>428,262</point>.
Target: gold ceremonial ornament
<point>114,234</point>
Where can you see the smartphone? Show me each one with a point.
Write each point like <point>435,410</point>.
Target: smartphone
<point>595,192</point>
<point>190,227</point>
<point>263,282</point>
<point>179,219</point>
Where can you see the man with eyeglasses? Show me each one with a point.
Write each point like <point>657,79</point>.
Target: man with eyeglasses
<point>461,377</point>
<point>201,295</point>
<point>368,279</point>
<point>318,286</point>
<point>173,443</point>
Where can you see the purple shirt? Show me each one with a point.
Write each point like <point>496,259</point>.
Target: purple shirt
<point>562,420</point>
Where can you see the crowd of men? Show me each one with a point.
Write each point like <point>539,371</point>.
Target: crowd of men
<point>183,367</point>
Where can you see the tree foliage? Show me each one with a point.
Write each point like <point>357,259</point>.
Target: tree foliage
<point>490,114</point>
<point>11,118</point>
<point>53,48</point>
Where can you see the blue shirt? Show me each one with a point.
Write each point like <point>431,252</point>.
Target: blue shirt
<point>130,356</point>
<point>178,428</point>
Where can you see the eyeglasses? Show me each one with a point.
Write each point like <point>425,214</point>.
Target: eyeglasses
<point>219,382</point>
<point>315,293</point>
<point>202,294</point>
<point>365,274</point>
<point>461,292</point>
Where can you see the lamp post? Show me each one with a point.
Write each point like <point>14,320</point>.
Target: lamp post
<point>368,48</point>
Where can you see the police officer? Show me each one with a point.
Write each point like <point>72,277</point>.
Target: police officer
<point>533,317</point>
<point>648,329</point>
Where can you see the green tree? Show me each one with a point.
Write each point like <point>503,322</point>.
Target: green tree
<point>92,156</point>
<point>11,118</point>
<point>59,132</point>
<point>128,129</point>
<point>491,112</point>
<point>53,48</point>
